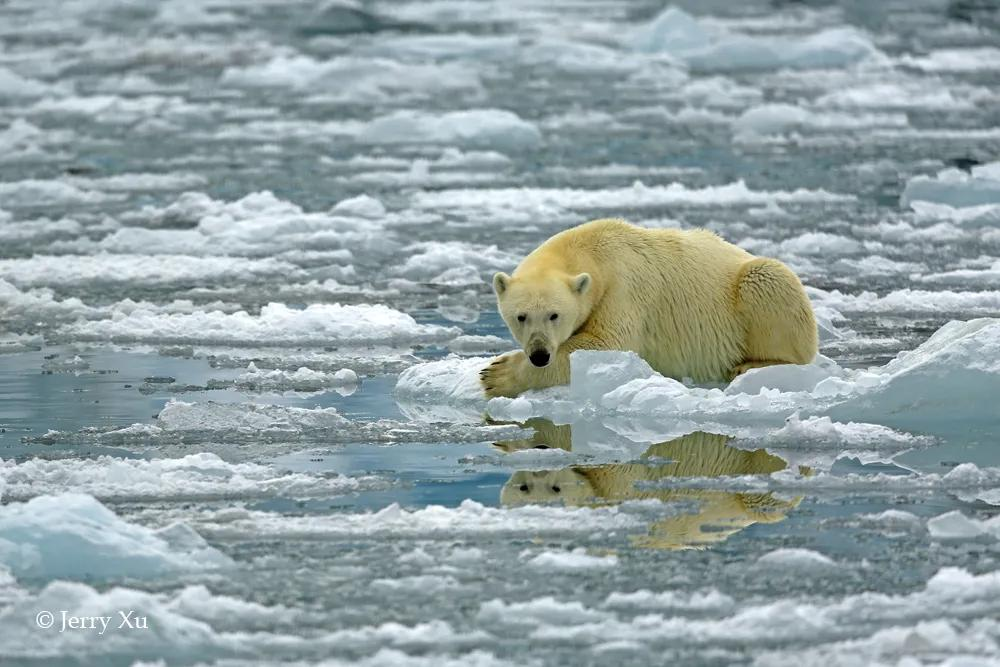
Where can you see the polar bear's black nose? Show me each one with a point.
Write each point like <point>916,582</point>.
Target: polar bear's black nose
<point>539,358</point>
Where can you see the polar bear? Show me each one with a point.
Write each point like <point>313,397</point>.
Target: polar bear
<point>717,514</point>
<point>689,303</point>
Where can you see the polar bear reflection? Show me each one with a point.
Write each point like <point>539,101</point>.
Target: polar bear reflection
<point>718,514</point>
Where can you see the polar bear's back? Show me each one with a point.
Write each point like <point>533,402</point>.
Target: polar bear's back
<point>670,291</point>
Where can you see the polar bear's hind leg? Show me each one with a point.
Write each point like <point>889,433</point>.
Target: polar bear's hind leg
<point>778,318</point>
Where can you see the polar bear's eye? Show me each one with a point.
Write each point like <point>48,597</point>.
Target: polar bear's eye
<point>522,318</point>
<point>554,316</point>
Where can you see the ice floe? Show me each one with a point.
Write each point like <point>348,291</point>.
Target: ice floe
<point>956,526</point>
<point>354,79</point>
<point>956,188</point>
<point>782,118</point>
<point>431,522</point>
<point>72,535</point>
<point>958,361</point>
<point>578,559</point>
<point>956,60</point>
<point>344,381</point>
<point>477,128</point>
<point>277,324</point>
<point>109,271</point>
<point>706,46</point>
<point>254,225</point>
<point>551,204</point>
<point>37,193</point>
<point>191,477</point>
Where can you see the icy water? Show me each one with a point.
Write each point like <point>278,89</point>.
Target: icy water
<point>245,251</point>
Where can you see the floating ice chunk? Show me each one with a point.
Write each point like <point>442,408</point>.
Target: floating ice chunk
<point>13,343</point>
<point>72,535</point>
<point>444,45</point>
<point>193,14</point>
<point>161,270</point>
<point>970,277</point>
<point>949,383</point>
<point>14,85</point>
<point>956,526</point>
<point>421,584</point>
<point>708,600</point>
<point>711,47</point>
<point>361,206</point>
<point>23,141</point>
<point>957,188</point>
<point>302,379</point>
<point>786,377</point>
<point>782,118</point>
<point>485,128</point>
<point>211,416</point>
<point>38,193</point>
<point>539,611</point>
<point>277,324</point>
<point>258,224</point>
<point>195,476</point>
<point>140,182</point>
<point>444,390</point>
<point>34,305</point>
<point>507,201</point>
<point>578,559</point>
<point>605,373</point>
<point>433,521</point>
<point>32,232</point>
<point>434,261</point>
<point>911,301</point>
<point>851,434</point>
<point>478,344</point>
<point>795,559</point>
<point>355,79</point>
<point>897,95</point>
<point>956,60</point>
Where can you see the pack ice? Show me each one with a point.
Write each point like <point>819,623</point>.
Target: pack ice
<point>947,385</point>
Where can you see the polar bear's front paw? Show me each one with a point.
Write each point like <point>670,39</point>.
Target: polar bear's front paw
<point>504,376</point>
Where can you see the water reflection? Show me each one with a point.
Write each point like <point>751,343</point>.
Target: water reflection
<point>716,514</point>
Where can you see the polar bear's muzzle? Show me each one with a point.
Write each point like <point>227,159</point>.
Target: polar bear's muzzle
<point>539,358</point>
<point>538,352</point>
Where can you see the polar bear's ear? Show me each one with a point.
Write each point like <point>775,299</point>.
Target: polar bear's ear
<point>581,283</point>
<point>500,282</point>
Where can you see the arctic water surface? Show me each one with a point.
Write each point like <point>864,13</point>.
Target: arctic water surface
<point>245,250</point>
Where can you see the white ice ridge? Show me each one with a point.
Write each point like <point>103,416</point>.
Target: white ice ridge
<point>980,186</point>
<point>947,384</point>
<point>636,196</point>
<point>476,128</point>
<point>956,526</point>
<point>431,522</point>
<point>107,270</point>
<point>72,535</point>
<point>256,225</point>
<point>770,119</point>
<point>706,46</point>
<point>303,379</point>
<point>354,79</point>
<point>195,476</point>
<point>277,324</point>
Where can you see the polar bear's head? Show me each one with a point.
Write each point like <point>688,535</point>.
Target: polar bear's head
<point>542,310</point>
<point>569,486</point>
